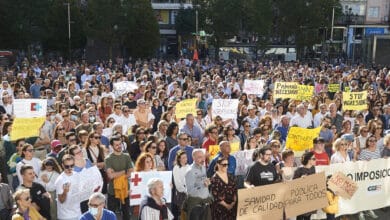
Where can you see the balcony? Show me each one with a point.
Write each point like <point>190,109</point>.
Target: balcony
<point>345,20</point>
<point>170,6</point>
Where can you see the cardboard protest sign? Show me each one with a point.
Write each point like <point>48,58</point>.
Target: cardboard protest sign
<point>355,100</point>
<point>185,107</point>
<point>333,87</point>
<point>373,184</point>
<point>262,202</point>
<point>30,115</point>
<point>243,160</point>
<point>213,150</point>
<point>226,108</point>
<point>139,181</point>
<point>285,90</point>
<point>306,194</point>
<point>305,93</point>
<point>344,186</point>
<point>123,87</point>
<point>294,197</point>
<point>255,87</point>
<point>300,139</point>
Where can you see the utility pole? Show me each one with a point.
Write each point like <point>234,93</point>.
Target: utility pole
<point>69,33</point>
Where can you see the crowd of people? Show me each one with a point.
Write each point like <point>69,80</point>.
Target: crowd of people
<point>88,125</point>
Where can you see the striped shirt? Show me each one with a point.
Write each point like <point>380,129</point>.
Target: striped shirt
<point>367,154</point>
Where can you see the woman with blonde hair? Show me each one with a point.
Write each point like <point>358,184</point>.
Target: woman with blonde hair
<point>25,208</point>
<point>340,147</point>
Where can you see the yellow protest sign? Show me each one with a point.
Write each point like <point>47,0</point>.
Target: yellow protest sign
<point>285,90</point>
<point>26,127</point>
<point>213,150</point>
<point>300,139</point>
<point>185,107</point>
<point>234,147</point>
<point>333,87</point>
<point>347,89</point>
<point>355,100</point>
<point>305,93</point>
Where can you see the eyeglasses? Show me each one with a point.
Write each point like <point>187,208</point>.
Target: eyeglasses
<point>68,167</point>
<point>29,150</point>
<point>28,198</point>
<point>224,164</point>
<point>313,158</point>
<point>97,137</point>
<point>372,140</point>
<point>183,139</point>
<point>276,145</point>
<point>60,129</point>
<point>94,205</point>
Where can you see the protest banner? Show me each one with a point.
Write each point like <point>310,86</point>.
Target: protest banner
<point>30,114</point>
<point>284,90</point>
<point>243,160</point>
<point>139,181</point>
<point>342,185</point>
<point>90,181</point>
<point>124,87</point>
<point>355,100</point>
<point>226,108</point>
<point>333,87</point>
<point>306,194</point>
<point>255,87</point>
<point>185,107</point>
<point>295,197</point>
<point>300,139</point>
<point>373,184</point>
<point>305,93</point>
<point>213,150</point>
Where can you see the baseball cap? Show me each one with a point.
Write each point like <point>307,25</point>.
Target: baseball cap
<point>55,143</point>
<point>318,140</point>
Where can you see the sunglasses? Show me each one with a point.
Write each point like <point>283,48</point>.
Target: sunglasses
<point>29,150</point>
<point>28,198</point>
<point>313,158</point>
<point>68,167</point>
<point>61,129</point>
<point>153,147</point>
<point>97,137</point>
<point>224,164</point>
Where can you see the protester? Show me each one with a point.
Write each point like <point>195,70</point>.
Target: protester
<point>224,191</point>
<point>262,172</point>
<point>7,201</point>
<point>180,192</point>
<point>197,204</point>
<point>118,167</point>
<point>286,168</point>
<point>183,145</point>
<point>224,151</point>
<point>67,188</point>
<point>321,156</point>
<point>153,207</point>
<point>24,206</point>
<point>28,159</point>
<point>333,200</point>
<point>96,211</point>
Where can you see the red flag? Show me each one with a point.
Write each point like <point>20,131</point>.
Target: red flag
<point>195,57</point>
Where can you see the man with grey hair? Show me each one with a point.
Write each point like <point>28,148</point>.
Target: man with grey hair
<point>153,206</point>
<point>183,145</point>
<point>224,151</point>
<point>96,211</point>
<point>197,183</point>
<point>320,115</point>
<point>300,119</point>
<point>283,127</point>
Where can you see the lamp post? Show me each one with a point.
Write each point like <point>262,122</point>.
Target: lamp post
<point>350,17</point>
<point>69,33</point>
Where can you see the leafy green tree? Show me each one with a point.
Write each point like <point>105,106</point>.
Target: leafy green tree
<point>56,37</point>
<point>143,37</point>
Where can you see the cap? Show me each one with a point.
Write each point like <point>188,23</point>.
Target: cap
<point>55,143</point>
<point>348,137</point>
<point>318,140</point>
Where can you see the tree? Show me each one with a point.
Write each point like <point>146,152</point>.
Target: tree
<point>56,37</point>
<point>143,37</point>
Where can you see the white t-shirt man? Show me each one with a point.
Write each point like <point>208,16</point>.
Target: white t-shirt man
<point>70,208</point>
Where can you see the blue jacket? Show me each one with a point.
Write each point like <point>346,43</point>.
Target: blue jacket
<point>231,168</point>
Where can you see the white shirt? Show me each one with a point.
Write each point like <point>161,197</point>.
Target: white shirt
<point>179,174</point>
<point>338,158</point>
<point>52,176</point>
<point>70,208</point>
<point>149,213</point>
<point>302,122</point>
<point>318,118</point>
<point>127,123</point>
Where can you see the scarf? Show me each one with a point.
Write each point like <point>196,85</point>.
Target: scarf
<point>152,204</point>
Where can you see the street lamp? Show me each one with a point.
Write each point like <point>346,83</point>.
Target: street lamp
<point>350,17</point>
<point>69,33</point>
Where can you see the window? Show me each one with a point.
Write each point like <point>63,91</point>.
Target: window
<point>373,12</point>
